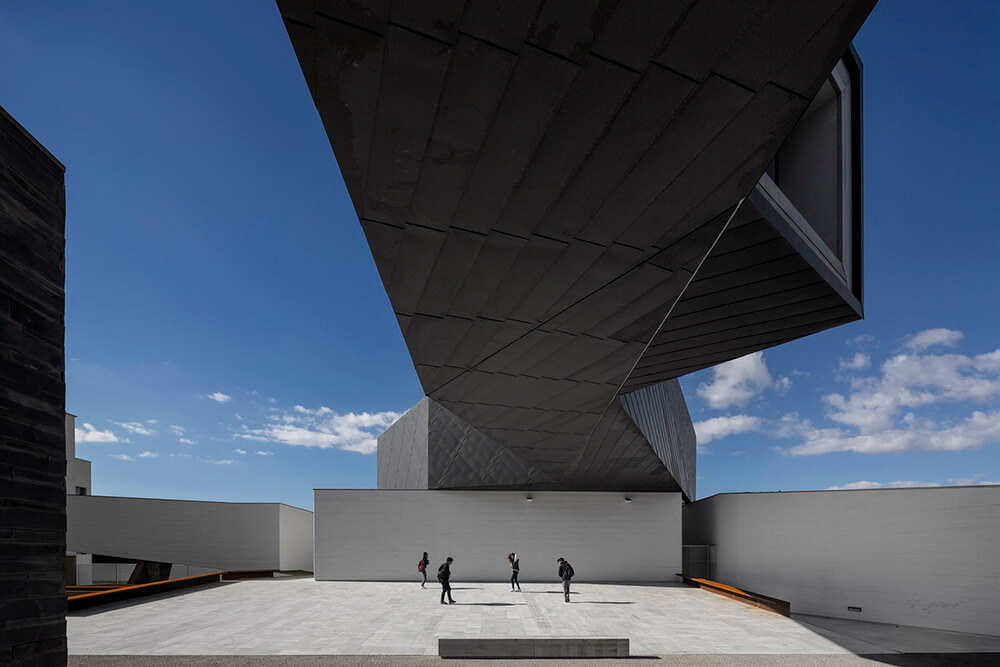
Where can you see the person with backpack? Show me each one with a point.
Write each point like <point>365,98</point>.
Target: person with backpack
<point>422,568</point>
<point>444,576</point>
<point>515,568</point>
<point>566,573</point>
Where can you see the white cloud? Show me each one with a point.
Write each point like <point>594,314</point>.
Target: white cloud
<point>319,412</point>
<point>186,441</point>
<point>135,427</point>
<point>961,481</point>
<point>218,462</point>
<point>878,485</point>
<point>154,422</point>
<point>932,337</point>
<point>220,397</point>
<point>862,341</point>
<point>975,480</point>
<point>858,362</point>
<point>910,381</point>
<point>856,485</point>
<point>148,455</point>
<point>720,427</point>
<point>325,429</point>
<point>736,382</point>
<point>122,457</point>
<point>90,434</point>
<point>783,385</point>
<point>891,411</point>
<point>261,452</point>
<point>978,430</point>
<point>176,430</point>
<point>240,451</point>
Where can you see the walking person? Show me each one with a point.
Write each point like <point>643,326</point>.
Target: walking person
<point>515,568</point>
<point>566,573</point>
<point>422,568</point>
<point>444,576</point>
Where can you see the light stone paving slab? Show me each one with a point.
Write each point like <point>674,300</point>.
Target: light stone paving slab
<point>301,616</point>
<point>758,660</point>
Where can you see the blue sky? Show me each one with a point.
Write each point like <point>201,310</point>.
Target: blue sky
<point>224,316</point>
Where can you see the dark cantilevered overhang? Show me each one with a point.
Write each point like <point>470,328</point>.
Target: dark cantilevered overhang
<point>567,202</point>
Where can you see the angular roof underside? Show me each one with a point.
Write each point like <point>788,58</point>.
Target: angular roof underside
<point>558,199</point>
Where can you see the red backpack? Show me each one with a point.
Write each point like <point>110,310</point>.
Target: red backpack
<point>420,565</point>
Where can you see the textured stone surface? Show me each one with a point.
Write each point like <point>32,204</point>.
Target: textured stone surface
<point>32,401</point>
<point>922,556</point>
<point>700,660</point>
<point>402,451</point>
<point>213,535</point>
<point>606,538</point>
<point>660,413</point>
<point>646,442</point>
<point>548,647</point>
<point>551,193</point>
<point>303,616</point>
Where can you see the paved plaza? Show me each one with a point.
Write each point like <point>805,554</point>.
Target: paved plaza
<point>301,616</point>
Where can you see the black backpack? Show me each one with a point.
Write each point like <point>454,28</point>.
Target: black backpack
<point>569,571</point>
<point>442,577</point>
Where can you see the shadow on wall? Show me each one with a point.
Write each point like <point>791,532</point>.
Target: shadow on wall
<point>903,644</point>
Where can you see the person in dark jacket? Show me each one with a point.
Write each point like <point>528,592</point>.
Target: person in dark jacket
<point>444,576</point>
<point>515,567</point>
<point>566,574</point>
<point>422,568</point>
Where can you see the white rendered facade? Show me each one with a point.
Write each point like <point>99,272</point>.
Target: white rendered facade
<point>215,535</point>
<point>77,470</point>
<point>925,557</point>
<point>78,483</point>
<point>379,535</point>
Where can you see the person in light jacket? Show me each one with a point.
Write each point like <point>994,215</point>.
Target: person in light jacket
<point>515,568</point>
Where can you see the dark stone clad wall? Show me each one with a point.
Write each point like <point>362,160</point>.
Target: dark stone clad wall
<point>555,197</point>
<point>32,402</point>
<point>402,450</point>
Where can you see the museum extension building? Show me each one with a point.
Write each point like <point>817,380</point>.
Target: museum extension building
<point>571,204</point>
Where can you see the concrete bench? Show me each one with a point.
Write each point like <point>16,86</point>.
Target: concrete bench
<point>549,647</point>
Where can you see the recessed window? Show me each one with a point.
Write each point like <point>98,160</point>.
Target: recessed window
<point>814,168</point>
<point>81,490</point>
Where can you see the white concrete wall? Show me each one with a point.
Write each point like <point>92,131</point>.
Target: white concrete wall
<point>380,534</point>
<point>296,538</point>
<point>77,470</point>
<point>926,557</point>
<point>78,474</point>
<point>224,536</point>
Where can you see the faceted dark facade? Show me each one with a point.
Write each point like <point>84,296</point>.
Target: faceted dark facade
<point>32,402</point>
<point>571,203</point>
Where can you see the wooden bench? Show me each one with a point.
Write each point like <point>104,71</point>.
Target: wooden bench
<point>548,647</point>
<point>81,597</point>
<point>749,597</point>
<point>84,600</point>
